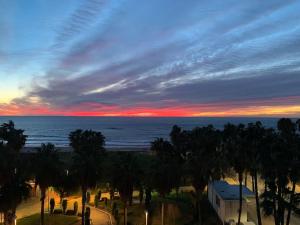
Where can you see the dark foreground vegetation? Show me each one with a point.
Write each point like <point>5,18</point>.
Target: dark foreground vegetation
<point>191,157</point>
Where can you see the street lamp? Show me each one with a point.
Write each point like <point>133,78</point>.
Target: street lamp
<point>146,214</point>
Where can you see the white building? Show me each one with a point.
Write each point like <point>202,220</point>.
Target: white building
<point>224,198</point>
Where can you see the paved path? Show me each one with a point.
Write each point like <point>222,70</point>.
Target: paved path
<point>100,217</point>
<point>32,206</point>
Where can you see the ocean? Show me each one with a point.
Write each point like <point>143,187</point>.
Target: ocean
<point>120,132</point>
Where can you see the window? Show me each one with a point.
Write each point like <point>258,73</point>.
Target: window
<point>217,201</point>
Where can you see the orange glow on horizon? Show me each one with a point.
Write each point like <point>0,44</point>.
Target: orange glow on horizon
<point>288,106</point>
<point>178,111</point>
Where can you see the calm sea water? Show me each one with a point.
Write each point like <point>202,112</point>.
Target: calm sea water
<point>120,132</point>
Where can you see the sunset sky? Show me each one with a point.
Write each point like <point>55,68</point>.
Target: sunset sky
<point>150,58</point>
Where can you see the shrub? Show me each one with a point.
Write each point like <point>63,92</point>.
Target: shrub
<point>57,211</point>
<point>52,205</point>
<point>88,197</point>
<point>75,207</point>
<point>70,212</point>
<point>64,205</point>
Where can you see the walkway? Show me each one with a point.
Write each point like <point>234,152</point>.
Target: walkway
<point>32,206</point>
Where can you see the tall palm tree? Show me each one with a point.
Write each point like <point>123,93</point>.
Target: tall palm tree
<point>255,137</point>
<point>235,144</point>
<point>65,183</point>
<point>205,161</point>
<point>288,132</point>
<point>46,167</point>
<point>13,185</point>
<point>280,167</point>
<point>124,174</point>
<point>167,169</point>
<point>12,194</point>
<point>88,147</point>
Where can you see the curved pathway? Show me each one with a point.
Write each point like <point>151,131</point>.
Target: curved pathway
<point>32,206</point>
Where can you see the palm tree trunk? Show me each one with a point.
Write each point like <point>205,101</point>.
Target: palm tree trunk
<point>275,214</point>
<point>83,200</point>
<point>246,179</point>
<point>125,213</point>
<point>5,218</point>
<point>162,213</point>
<point>280,206</point>
<point>199,199</point>
<point>257,199</point>
<point>43,195</point>
<point>253,186</point>
<point>290,204</point>
<point>9,218</point>
<point>241,197</point>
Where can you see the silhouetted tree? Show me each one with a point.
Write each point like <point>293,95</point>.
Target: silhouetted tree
<point>255,138</point>
<point>235,144</point>
<point>13,185</point>
<point>167,169</point>
<point>205,161</point>
<point>47,166</point>
<point>280,168</point>
<point>124,174</point>
<point>88,148</point>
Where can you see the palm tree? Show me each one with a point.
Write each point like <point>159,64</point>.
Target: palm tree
<point>65,183</point>
<point>167,169</point>
<point>255,137</point>
<point>88,148</point>
<point>235,144</point>
<point>12,194</point>
<point>280,167</point>
<point>124,175</point>
<point>13,185</point>
<point>205,161</point>
<point>288,129</point>
<point>46,167</point>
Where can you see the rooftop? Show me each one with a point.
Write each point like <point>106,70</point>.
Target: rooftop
<point>230,192</point>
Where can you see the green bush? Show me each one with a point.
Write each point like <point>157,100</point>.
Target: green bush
<point>57,211</point>
<point>52,205</point>
<point>64,205</point>
<point>70,212</point>
<point>75,207</point>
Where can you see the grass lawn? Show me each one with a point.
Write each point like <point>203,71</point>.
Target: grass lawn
<point>49,220</point>
<point>178,211</point>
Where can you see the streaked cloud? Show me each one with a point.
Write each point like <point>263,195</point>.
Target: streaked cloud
<point>149,58</point>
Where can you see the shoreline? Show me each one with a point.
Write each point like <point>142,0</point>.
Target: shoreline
<point>110,149</point>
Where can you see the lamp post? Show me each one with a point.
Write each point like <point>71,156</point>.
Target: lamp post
<point>146,214</point>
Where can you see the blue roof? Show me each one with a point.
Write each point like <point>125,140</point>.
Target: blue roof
<point>230,192</point>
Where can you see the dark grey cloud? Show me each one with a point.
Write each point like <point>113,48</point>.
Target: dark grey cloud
<point>191,54</point>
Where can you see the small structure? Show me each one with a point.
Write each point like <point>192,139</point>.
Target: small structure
<point>224,198</point>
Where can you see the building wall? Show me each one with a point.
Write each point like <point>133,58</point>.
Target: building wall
<point>226,209</point>
<point>231,210</point>
<point>218,205</point>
